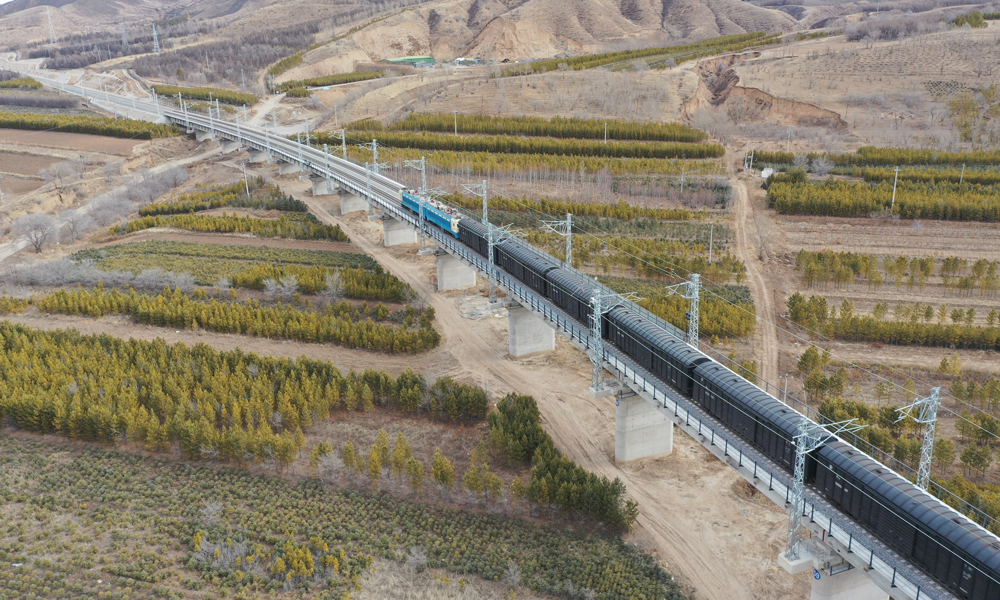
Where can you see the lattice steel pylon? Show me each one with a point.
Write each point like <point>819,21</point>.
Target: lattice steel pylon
<point>810,437</point>
<point>371,167</point>
<point>156,41</point>
<point>124,35</point>
<point>482,190</point>
<point>601,303</point>
<point>927,416</point>
<point>565,229</point>
<point>495,235</point>
<point>692,290</point>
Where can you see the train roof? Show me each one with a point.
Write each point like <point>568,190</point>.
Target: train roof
<point>578,285</point>
<point>657,336</point>
<point>907,499</point>
<point>473,226</point>
<point>540,263</point>
<point>757,401</point>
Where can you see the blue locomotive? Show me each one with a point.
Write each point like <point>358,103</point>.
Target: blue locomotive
<point>438,213</point>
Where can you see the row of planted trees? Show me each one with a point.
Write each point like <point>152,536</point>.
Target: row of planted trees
<point>339,324</point>
<point>239,407</point>
<point>844,268</point>
<point>814,313</point>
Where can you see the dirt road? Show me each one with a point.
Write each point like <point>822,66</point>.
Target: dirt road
<point>746,248</point>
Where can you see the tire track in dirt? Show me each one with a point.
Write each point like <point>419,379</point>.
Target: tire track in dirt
<point>767,333</point>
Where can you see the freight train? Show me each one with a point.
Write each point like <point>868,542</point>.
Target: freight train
<point>960,555</point>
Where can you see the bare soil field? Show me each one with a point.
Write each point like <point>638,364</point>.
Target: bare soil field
<point>24,164</point>
<point>17,185</point>
<point>889,92</point>
<point>70,141</point>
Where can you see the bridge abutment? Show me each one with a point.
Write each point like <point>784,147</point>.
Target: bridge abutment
<point>527,333</point>
<point>395,233</point>
<point>350,202</point>
<point>641,430</point>
<point>453,274</point>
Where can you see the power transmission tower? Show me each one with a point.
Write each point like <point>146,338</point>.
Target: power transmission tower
<point>420,165</point>
<point>372,167</point>
<point>565,229</point>
<point>927,416</point>
<point>601,303</point>
<point>481,190</point>
<point>124,35</point>
<point>156,41</point>
<point>691,292</point>
<point>810,437</point>
<point>52,30</point>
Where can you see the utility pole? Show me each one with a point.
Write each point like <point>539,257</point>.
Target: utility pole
<point>753,148</point>
<point>810,437</point>
<point>246,183</point>
<point>683,174</point>
<point>711,240</point>
<point>691,291</point>
<point>565,229</point>
<point>605,132</point>
<point>894,180</point>
<point>962,178</point>
<point>788,144</point>
<point>455,112</point>
<point>927,416</point>
<point>2,201</point>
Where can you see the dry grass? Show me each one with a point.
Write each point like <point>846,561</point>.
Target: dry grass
<point>399,582</point>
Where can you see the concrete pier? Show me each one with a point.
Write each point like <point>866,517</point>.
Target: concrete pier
<point>259,156</point>
<point>324,187</point>
<point>288,168</point>
<point>230,146</point>
<point>453,274</point>
<point>528,334</point>
<point>845,582</point>
<point>350,202</point>
<point>202,136</point>
<point>641,431</point>
<point>395,233</point>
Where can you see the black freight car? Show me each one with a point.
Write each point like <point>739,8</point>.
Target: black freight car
<point>959,554</point>
<point>528,267</point>
<point>660,353</point>
<point>474,235</point>
<point>572,292</point>
<point>753,414</point>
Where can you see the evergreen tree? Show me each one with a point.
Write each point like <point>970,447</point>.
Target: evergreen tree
<point>442,471</point>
